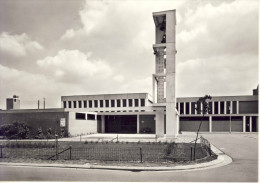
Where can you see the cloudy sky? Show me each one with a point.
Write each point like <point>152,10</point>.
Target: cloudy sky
<point>68,47</point>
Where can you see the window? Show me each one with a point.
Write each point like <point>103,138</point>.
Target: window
<point>234,107</point>
<point>181,108</point>
<point>91,116</point>
<point>80,116</point>
<point>79,104</point>
<point>210,108</point>
<point>85,103</point>
<point>112,103</point>
<point>75,104</point>
<point>118,103</point>
<point>130,102</point>
<point>187,108</point>
<point>101,103</point>
<point>136,103</point>
<point>64,104</point>
<point>222,107</point>
<point>90,103</point>
<point>142,102</point>
<point>193,107</point>
<point>124,102</point>
<point>96,103</point>
<point>69,104</point>
<point>228,107</point>
<point>107,103</point>
<point>215,107</point>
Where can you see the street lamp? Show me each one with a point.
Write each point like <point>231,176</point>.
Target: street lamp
<point>230,119</point>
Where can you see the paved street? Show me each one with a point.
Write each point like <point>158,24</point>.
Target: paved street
<point>241,147</point>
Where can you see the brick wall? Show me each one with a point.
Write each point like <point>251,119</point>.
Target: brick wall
<point>36,120</point>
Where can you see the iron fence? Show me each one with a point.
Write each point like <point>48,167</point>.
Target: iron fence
<point>162,153</point>
<point>206,145</point>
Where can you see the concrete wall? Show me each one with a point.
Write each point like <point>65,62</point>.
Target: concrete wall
<point>247,107</point>
<point>41,119</point>
<point>77,127</point>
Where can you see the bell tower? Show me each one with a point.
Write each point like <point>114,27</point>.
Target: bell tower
<point>164,77</point>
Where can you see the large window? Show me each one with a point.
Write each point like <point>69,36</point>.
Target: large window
<point>193,107</point>
<point>142,102</point>
<point>234,106</point>
<point>101,103</point>
<point>187,108</point>
<point>215,107</point>
<point>222,108</point>
<point>96,103</point>
<point>85,103</point>
<point>79,104</point>
<point>90,103</point>
<point>130,102</point>
<point>228,107</point>
<point>107,103</point>
<point>80,116</point>
<point>91,116</point>
<point>75,104</point>
<point>181,108</point>
<point>118,103</point>
<point>69,104</point>
<point>64,104</point>
<point>124,102</point>
<point>112,103</point>
<point>136,102</point>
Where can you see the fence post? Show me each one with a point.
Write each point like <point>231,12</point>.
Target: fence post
<point>191,153</point>
<point>56,144</point>
<point>1,156</point>
<point>141,155</point>
<point>70,152</point>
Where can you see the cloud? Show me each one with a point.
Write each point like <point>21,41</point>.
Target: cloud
<point>18,45</point>
<point>209,31</point>
<point>71,65</point>
<point>232,75</point>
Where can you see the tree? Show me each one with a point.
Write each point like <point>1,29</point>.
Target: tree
<point>204,110</point>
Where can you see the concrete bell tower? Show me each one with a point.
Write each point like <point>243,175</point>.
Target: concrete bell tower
<point>164,77</point>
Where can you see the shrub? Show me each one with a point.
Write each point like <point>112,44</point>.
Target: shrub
<point>39,134</point>
<point>16,130</point>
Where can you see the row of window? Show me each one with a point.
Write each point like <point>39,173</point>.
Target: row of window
<point>214,107</point>
<point>82,116</point>
<point>104,103</point>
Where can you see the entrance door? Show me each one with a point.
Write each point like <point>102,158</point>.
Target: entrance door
<point>121,124</point>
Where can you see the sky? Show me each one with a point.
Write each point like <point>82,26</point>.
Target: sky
<point>50,49</point>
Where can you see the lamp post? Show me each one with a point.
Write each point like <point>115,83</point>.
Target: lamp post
<point>230,119</point>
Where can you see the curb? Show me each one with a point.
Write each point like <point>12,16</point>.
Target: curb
<point>222,160</point>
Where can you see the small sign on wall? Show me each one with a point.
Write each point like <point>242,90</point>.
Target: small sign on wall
<point>62,122</point>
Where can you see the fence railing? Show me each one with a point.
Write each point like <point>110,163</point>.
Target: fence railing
<point>206,145</point>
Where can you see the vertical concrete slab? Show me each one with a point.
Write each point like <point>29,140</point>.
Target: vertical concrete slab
<point>210,123</point>
<point>159,120</point>
<point>102,124</point>
<point>138,124</point>
<point>244,123</point>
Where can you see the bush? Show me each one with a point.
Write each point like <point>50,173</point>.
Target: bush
<point>16,130</point>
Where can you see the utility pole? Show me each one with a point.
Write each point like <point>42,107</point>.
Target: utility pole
<point>38,104</point>
<point>43,103</point>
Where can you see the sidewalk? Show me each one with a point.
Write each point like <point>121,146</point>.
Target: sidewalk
<point>222,160</point>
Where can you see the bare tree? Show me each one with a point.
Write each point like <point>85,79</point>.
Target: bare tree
<point>204,110</point>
